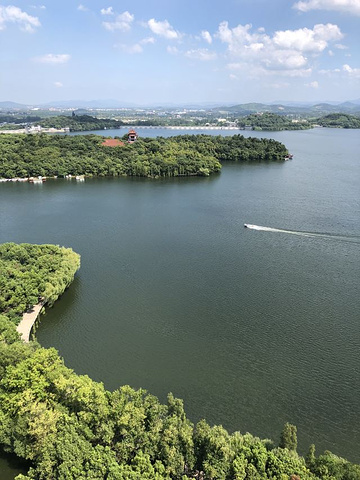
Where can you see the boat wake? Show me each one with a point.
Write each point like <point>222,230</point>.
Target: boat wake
<point>335,236</point>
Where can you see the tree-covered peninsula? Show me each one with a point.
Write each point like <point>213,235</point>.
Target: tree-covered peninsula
<point>29,273</point>
<point>50,155</point>
<point>69,427</point>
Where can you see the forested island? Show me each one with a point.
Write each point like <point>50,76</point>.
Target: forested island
<point>80,123</point>
<point>272,122</point>
<point>339,120</point>
<point>69,427</point>
<point>59,155</point>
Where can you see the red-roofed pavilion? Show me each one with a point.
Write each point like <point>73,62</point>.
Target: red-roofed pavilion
<point>112,142</point>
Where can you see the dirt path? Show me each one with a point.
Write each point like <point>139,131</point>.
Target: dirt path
<point>28,320</point>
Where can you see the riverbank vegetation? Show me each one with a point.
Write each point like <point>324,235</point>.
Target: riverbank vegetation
<point>29,273</point>
<point>69,427</point>
<point>50,155</point>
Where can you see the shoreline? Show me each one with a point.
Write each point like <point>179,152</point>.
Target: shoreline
<point>29,318</point>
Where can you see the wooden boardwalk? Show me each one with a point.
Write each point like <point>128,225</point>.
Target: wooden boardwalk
<point>28,320</point>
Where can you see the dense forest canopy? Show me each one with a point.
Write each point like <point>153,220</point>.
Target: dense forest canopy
<point>272,121</point>
<point>71,428</point>
<point>49,155</point>
<point>32,272</point>
<point>80,123</point>
<point>339,120</point>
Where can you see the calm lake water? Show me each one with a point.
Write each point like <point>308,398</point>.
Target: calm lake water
<point>251,328</point>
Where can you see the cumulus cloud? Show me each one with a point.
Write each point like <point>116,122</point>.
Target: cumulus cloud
<point>352,72</point>
<point>53,58</point>
<point>82,8</point>
<point>202,54</point>
<point>307,40</point>
<point>40,7</point>
<point>122,22</point>
<point>206,36</point>
<point>348,6</point>
<point>345,71</point>
<point>58,84</point>
<point>107,11</point>
<point>11,14</point>
<point>287,52</point>
<point>163,29</point>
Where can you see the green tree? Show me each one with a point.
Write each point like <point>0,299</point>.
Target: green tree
<point>288,438</point>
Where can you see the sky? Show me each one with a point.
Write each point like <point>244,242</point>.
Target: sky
<point>180,51</point>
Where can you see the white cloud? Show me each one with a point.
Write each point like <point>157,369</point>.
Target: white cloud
<point>202,54</point>
<point>131,49</point>
<point>314,84</point>
<point>172,50</point>
<point>136,47</point>
<point>331,53</point>
<point>147,40</point>
<point>107,11</point>
<point>287,52</point>
<point>206,36</point>
<point>352,72</point>
<point>53,58</point>
<point>58,84</point>
<point>40,7</point>
<point>163,29</point>
<point>82,8</point>
<point>348,6</point>
<point>340,46</point>
<point>345,71</point>
<point>307,40</point>
<point>11,14</point>
<point>279,85</point>
<point>330,73</point>
<point>122,22</point>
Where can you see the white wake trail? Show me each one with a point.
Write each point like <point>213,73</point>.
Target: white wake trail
<point>348,238</point>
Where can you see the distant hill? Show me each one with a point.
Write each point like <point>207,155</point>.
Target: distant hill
<point>285,109</point>
<point>12,106</point>
<point>248,108</point>
<point>108,103</point>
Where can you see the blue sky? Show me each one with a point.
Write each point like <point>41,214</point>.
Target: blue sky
<point>180,51</point>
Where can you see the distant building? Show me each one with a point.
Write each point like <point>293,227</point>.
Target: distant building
<point>112,142</point>
<point>132,136</point>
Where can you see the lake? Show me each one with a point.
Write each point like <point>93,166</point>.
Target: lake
<point>251,328</point>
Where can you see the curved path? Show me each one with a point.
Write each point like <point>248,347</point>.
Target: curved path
<point>28,320</point>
